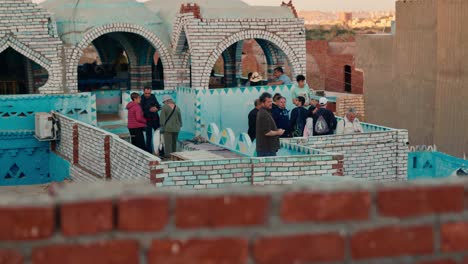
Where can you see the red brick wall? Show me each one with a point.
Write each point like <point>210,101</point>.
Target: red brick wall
<point>407,223</point>
<point>331,68</point>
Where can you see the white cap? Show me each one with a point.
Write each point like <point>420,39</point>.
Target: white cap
<point>323,101</point>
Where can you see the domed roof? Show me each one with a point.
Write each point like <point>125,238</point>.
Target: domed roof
<point>167,10</point>
<point>74,17</point>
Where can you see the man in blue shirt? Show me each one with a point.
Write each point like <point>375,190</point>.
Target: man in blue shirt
<point>281,78</point>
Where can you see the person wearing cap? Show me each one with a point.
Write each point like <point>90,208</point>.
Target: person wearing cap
<point>324,121</point>
<point>171,122</point>
<point>255,79</point>
<point>136,121</point>
<point>281,78</point>
<point>349,124</point>
<point>150,106</point>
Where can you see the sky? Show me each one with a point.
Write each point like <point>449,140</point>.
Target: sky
<point>325,5</point>
<point>332,5</point>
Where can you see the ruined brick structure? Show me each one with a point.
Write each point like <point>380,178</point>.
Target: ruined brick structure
<point>188,38</point>
<point>328,63</point>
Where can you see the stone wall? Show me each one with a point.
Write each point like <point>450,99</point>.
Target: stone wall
<point>31,31</point>
<point>343,103</point>
<point>249,171</point>
<point>381,156</point>
<point>404,223</point>
<point>95,154</point>
<point>287,35</point>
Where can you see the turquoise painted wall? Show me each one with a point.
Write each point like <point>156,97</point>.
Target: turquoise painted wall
<point>423,165</point>
<point>24,159</point>
<point>17,111</point>
<point>230,107</point>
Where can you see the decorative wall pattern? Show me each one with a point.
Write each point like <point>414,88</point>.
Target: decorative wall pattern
<point>17,112</point>
<point>23,159</point>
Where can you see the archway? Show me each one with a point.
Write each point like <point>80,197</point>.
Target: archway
<point>270,44</point>
<point>19,74</point>
<point>126,35</point>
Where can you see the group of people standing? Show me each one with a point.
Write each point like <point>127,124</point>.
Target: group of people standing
<point>145,114</point>
<point>270,120</point>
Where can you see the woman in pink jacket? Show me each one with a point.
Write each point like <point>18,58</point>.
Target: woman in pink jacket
<point>136,121</point>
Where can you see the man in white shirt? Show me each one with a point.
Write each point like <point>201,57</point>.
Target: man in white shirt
<point>349,124</point>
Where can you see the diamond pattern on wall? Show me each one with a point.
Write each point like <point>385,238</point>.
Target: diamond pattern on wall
<point>14,172</point>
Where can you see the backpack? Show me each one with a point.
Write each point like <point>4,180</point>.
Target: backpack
<point>321,126</point>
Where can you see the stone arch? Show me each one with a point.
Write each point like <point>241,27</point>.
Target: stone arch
<point>21,48</point>
<point>250,34</point>
<point>94,33</point>
<point>11,42</point>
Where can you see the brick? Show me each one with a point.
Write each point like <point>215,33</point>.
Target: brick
<point>222,211</point>
<point>199,251</point>
<point>10,256</point>
<point>86,218</point>
<point>143,214</point>
<point>454,237</point>
<point>439,261</point>
<point>334,206</point>
<point>392,242</point>
<point>299,249</point>
<point>104,252</point>
<point>26,223</point>
<point>416,201</point>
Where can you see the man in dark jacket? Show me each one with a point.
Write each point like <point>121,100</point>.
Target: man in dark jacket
<point>150,106</point>
<point>281,117</point>
<point>298,117</point>
<point>253,120</point>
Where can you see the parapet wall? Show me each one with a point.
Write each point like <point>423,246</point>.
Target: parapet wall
<point>249,171</point>
<point>379,156</point>
<point>95,154</point>
<point>398,223</point>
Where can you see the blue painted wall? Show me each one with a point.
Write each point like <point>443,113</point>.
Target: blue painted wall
<point>17,111</point>
<point>423,165</point>
<point>24,159</point>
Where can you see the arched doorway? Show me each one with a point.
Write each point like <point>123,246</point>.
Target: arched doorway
<point>277,53</point>
<point>347,79</point>
<point>246,56</point>
<point>104,65</point>
<point>19,74</point>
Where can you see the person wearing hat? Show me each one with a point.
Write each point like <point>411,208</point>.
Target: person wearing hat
<point>255,79</point>
<point>171,122</point>
<point>324,121</point>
